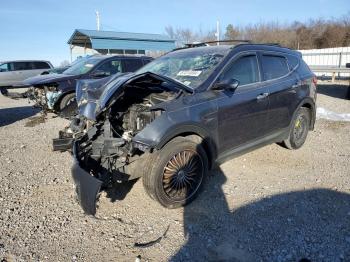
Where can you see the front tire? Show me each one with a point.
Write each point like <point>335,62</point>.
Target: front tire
<point>176,173</point>
<point>68,105</point>
<point>67,99</point>
<point>299,129</point>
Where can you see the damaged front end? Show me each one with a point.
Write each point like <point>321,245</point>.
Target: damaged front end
<point>44,97</point>
<point>108,151</point>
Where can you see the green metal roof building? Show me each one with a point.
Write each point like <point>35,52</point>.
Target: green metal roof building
<point>109,42</point>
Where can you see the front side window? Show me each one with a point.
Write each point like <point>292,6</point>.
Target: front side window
<point>111,67</point>
<point>5,67</point>
<point>274,66</point>
<point>244,69</point>
<point>19,66</point>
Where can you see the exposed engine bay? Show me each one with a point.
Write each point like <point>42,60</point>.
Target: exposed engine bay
<point>44,97</point>
<point>107,148</point>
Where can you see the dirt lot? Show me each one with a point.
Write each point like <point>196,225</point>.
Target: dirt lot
<point>268,205</point>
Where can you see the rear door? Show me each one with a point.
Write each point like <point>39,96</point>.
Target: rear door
<point>23,70</point>
<point>282,82</point>
<point>243,112</point>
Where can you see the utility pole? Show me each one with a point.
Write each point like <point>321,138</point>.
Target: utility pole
<point>98,20</point>
<point>217,34</point>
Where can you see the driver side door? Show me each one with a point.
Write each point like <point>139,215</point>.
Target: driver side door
<point>242,112</point>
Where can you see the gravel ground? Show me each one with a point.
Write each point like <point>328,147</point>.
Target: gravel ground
<point>268,205</point>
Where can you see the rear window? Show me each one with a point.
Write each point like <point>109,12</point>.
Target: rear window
<point>274,66</point>
<point>40,65</point>
<point>131,65</point>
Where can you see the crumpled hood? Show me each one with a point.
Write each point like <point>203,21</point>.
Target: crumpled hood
<point>88,92</point>
<point>94,97</point>
<point>49,78</point>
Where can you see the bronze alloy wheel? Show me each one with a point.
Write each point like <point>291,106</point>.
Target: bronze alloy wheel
<point>183,175</point>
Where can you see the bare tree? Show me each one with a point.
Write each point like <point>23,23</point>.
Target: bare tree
<point>316,33</point>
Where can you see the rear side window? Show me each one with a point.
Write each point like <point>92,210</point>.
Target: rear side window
<point>146,61</point>
<point>244,69</point>
<point>40,65</point>
<point>274,66</point>
<point>131,65</point>
<point>18,66</point>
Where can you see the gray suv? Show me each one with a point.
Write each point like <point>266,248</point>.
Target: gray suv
<point>12,73</point>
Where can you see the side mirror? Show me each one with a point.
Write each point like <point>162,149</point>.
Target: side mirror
<point>98,73</point>
<point>347,65</point>
<point>228,84</point>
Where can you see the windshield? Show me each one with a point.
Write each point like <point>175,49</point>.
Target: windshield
<point>82,67</point>
<point>190,67</point>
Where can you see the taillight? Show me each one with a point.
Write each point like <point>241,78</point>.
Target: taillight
<point>314,80</point>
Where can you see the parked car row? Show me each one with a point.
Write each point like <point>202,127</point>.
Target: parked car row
<point>178,116</point>
<point>54,92</point>
<point>14,72</point>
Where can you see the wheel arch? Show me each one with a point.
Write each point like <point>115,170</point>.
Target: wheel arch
<point>195,134</point>
<point>309,104</point>
<point>58,101</point>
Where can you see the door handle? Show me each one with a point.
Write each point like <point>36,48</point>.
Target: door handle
<point>262,96</point>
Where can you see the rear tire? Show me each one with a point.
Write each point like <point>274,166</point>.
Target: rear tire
<point>176,173</point>
<point>299,129</point>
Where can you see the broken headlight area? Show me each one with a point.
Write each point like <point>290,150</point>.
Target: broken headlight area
<point>75,130</point>
<point>44,97</point>
<point>107,151</point>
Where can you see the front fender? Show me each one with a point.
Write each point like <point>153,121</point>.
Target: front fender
<point>165,128</point>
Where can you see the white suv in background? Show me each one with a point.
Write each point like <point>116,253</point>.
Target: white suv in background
<point>14,72</point>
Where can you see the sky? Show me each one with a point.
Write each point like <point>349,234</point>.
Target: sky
<point>40,29</point>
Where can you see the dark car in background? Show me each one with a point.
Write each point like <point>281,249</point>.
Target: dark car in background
<point>175,118</point>
<point>56,91</point>
<point>12,73</point>
<point>55,70</point>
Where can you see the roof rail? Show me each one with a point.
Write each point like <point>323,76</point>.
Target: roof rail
<point>217,41</point>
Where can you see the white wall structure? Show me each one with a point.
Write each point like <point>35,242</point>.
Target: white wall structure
<point>336,57</point>
<point>78,51</point>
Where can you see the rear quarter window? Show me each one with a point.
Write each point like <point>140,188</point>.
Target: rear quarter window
<point>293,61</point>
<point>274,66</point>
<point>304,69</point>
